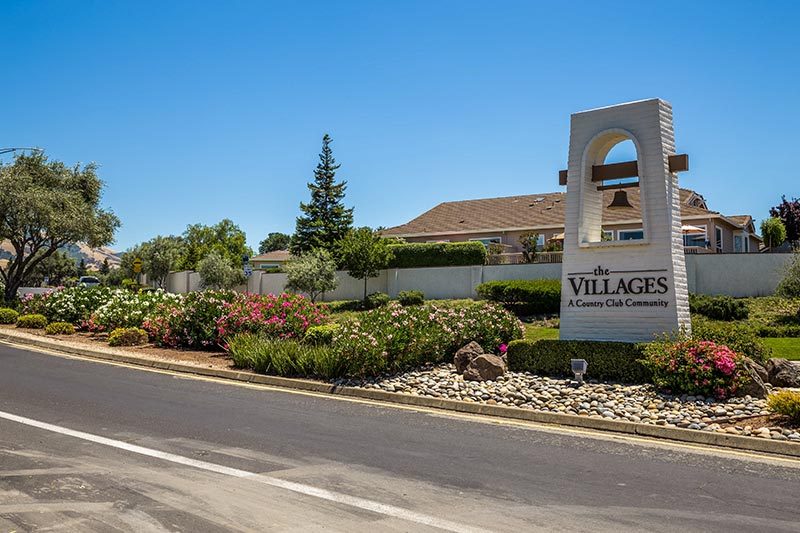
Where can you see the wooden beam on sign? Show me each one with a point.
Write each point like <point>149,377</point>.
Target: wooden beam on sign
<point>627,169</point>
<point>615,171</point>
<point>678,162</point>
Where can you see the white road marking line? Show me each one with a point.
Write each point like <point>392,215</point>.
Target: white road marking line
<point>300,488</point>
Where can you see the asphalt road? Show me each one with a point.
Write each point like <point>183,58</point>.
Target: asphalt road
<point>102,447</point>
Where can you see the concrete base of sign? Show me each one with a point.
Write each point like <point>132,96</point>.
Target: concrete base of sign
<point>623,290</point>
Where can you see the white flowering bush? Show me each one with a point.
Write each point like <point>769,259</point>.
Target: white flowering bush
<point>74,304</point>
<point>126,309</point>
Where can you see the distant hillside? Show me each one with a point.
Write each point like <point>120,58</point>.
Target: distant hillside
<point>93,257</point>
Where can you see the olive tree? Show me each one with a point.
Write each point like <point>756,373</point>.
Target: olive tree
<point>216,272</point>
<point>313,273</point>
<point>45,205</point>
<point>364,253</point>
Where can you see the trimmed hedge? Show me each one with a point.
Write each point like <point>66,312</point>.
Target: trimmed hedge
<point>610,361</point>
<point>524,296</point>
<point>34,321</point>
<point>718,307</point>
<point>411,298</point>
<point>437,254</point>
<point>59,328</point>
<point>777,331</point>
<point>321,335</point>
<point>8,315</point>
<point>127,337</point>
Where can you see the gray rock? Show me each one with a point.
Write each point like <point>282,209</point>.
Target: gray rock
<point>783,373</point>
<point>485,367</point>
<point>465,355</point>
<point>754,384</point>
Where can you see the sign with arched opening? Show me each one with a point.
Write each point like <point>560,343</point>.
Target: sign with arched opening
<point>631,289</point>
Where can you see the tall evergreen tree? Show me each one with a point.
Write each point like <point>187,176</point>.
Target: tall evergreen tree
<point>325,219</point>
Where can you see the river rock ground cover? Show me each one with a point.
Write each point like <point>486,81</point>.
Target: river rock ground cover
<point>634,403</point>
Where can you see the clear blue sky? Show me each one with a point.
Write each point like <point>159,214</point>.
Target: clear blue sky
<point>198,111</point>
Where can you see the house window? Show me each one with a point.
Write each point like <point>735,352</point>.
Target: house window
<point>630,234</point>
<point>699,240</point>
<point>718,235</point>
<point>488,240</point>
<point>540,242</point>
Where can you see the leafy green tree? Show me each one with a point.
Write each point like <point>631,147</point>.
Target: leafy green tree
<point>45,205</point>
<point>224,237</point>
<point>363,254</point>
<point>789,213</point>
<point>275,241</point>
<point>216,272</point>
<point>105,268</point>
<point>313,273</point>
<point>56,268</point>
<point>529,240</point>
<point>773,232</point>
<point>325,219</point>
<point>160,256</point>
<point>789,285</point>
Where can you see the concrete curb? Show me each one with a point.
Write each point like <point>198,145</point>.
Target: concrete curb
<point>647,430</point>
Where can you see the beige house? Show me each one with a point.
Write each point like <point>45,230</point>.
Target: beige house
<point>503,221</point>
<point>270,260</point>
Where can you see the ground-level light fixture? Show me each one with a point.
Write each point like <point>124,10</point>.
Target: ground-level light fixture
<point>579,367</point>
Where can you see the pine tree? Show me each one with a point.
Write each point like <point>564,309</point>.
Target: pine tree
<point>325,219</point>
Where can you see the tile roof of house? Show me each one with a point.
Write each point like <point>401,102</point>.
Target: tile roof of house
<point>523,212</point>
<point>277,255</point>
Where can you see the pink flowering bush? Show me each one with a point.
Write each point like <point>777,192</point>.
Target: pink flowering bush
<point>205,319</point>
<point>695,367</point>
<point>394,337</point>
<point>287,316</point>
<point>189,321</point>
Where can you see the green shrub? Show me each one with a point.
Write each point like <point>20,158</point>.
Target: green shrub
<point>8,316</point>
<point>437,254</point>
<point>32,321</point>
<point>718,307</point>
<point>127,337</point>
<point>59,328</point>
<point>320,335</point>
<point>695,367</point>
<point>284,357</point>
<point>376,300</point>
<point>777,331</point>
<point>785,403</point>
<point>790,283</point>
<point>739,337</point>
<point>613,361</point>
<point>524,297</point>
<point>340,306</point>
<point>411,297</point>
<point>394,337</point>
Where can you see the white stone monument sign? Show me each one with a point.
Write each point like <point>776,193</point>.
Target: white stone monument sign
<point>623,290</point>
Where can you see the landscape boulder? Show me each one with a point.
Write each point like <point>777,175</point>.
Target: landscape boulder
<point>756,376</point>
<point>486,367</point>
<point>783,373</point>
<point>465,355</point>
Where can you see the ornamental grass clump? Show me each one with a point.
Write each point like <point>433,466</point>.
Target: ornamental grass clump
<point>785,403</point>
<point>695,367</point>
<point>283,357</point>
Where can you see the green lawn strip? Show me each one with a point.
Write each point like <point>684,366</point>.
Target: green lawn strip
<point>784,347</point>
<point>535,333</point>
